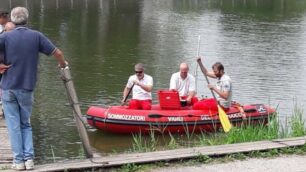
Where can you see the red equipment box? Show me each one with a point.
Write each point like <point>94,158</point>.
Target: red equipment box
<point>169,99</point>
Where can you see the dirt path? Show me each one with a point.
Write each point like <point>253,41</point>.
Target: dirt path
<point>292,163</point>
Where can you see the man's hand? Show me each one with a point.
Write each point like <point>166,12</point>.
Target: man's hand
<point>210,86</point>
<point>188,100</point>
<point>63,64</point>
<point>199,59</point>
<point>3,68</point>
<point>122,102</point>
<point>136,82</point>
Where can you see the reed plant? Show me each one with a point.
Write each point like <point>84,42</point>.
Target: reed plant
<point>284,130</point>
<point>247,132</point>
<point>297,123</point>
<point>52,152</point>
<point>172,143</point>
<point>139,144</point>
<point>144,143</point>
<point>153,141</point>
<point>81,153</point>
<point>189,134</point>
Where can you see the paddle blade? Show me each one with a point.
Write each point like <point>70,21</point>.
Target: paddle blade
<point>226,124</point>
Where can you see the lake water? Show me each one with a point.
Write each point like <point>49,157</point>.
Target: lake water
<point>261,44</point>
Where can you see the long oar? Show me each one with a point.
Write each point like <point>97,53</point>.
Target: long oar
<point>196,71</point>
<point>73,99</point>
<point>126,97</point>
<point>222,115</point>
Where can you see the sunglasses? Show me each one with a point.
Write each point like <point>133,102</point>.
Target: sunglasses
<point>138,72</point>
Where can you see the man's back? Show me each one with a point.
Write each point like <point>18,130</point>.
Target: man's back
<point>22,47</point>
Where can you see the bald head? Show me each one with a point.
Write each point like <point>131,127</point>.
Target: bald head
<point>184,68</point>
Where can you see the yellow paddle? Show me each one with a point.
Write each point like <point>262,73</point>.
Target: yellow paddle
<point>222,115</point>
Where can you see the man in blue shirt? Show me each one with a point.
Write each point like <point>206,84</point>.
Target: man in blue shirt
<point>21,48</point>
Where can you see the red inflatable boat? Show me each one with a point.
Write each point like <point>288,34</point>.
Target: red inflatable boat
<point>119,119</point>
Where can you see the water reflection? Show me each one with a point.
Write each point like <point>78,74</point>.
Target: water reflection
<point>261,44</point>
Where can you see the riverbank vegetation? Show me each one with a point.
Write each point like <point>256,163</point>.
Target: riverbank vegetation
<point>294,126</point>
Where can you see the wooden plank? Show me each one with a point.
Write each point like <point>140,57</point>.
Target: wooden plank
<point>5,147</point>
<point>241,147</point>
<point>138,158</point>
<point>2,123</point>
<point>190,152</point>
<point>195,149</point>
<point>5,151</point>
<point>288,139</point>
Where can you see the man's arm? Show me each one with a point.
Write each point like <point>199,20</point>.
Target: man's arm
<point>204,70</point>
<point>59,56</point>
<point>222,94</point>
<point>125,92</point>
<point>172,83</point>
<point>190,95</point>
<point>148,87</point>
<point>191,89</point>
<point>3,68</point>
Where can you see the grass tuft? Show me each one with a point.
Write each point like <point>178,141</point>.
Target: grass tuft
<point>297,123</point>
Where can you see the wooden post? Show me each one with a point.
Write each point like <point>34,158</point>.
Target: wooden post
<point>73,99</point>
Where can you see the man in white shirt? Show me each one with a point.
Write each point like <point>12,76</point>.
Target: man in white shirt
<point>184,83</point>
<point>223,88</point>
<point>141,85</point>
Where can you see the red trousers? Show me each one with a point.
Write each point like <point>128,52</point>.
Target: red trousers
<point>140,104</point>
<point>206,104</point>
<point>193,99</point>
